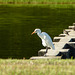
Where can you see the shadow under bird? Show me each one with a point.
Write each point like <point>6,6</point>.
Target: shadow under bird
<point>46,39</point>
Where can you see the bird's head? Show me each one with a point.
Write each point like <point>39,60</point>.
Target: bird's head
<point>36,31</point>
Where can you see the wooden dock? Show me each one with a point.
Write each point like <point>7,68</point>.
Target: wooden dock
<point>64,46</point>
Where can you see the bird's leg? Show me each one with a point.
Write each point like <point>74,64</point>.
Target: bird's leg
<point>46,49</point>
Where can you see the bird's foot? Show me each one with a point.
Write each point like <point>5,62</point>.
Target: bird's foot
<point>45,55</point>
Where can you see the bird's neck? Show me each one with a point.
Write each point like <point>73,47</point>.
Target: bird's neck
<point>39,34</point>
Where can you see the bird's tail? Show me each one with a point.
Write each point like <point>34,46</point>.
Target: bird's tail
<point>53,47</point>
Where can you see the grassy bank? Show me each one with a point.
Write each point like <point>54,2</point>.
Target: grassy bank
<point>37,67</point>
<point>17,22</point>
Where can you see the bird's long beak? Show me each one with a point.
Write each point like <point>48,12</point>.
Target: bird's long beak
<point>32,33</point>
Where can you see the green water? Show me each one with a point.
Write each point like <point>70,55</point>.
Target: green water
<point>17,24</point>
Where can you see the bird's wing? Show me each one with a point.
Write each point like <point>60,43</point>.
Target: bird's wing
<point>48,40</point>
<point>43,43</point>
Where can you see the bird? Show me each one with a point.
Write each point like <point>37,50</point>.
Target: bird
<point>46,39</point>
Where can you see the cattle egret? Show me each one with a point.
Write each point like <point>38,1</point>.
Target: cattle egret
<point>46,39</point>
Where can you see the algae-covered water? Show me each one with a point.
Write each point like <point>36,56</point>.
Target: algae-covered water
<point>18,22</point>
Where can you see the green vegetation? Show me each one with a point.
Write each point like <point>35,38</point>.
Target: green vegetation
<point>37,0</point>
<point>37,67</point>
<point>17,22</point>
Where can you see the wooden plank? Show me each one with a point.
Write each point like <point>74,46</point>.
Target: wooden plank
<point>42,57</point>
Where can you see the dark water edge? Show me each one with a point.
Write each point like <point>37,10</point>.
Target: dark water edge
<point>17,24</point>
